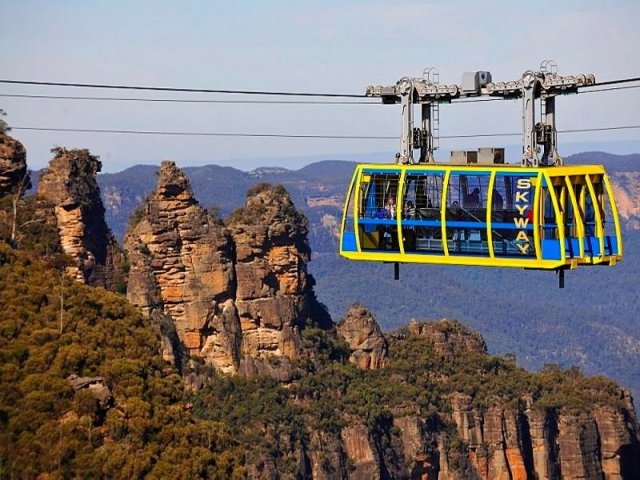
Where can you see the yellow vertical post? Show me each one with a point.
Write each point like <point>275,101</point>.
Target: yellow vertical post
<point>536,219</point>
<point>356,207</point>
<point>614,212</point>
<point>443,213</point>
<point>492,180</point>
<point>399,210</point>
<point>559,216</point>
<point>596,209</point>
<point>577,215</point>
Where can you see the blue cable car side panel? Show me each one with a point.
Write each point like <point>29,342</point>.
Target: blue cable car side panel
<point>349,242</point>
<point>572,246</point>
<point>592,246</point>
<point>550,249</point>
<point>611,245</point>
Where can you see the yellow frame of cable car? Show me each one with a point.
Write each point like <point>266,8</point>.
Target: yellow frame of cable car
<point>549,177</point>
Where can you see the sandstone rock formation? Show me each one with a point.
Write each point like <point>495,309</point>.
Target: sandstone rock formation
<point>366,341</point>
<point>505,440</point>
<point>13,166</point>
<point>450,337</point>
<point>70,184</point>
<point>528,442</point>
<point>235,292</point>
<point>273,288</point>
<point>626,192</point>
<point>182,266</point>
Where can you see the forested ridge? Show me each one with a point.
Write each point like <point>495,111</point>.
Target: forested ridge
<point>155,428</point>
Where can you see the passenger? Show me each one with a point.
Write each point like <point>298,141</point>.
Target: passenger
<point>429,204</point>
<point>497,200</point>
<point>472,200</point>
<point>391,206</point>
<point>410,211</point>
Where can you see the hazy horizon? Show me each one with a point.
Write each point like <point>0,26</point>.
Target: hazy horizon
<point>296,163</point>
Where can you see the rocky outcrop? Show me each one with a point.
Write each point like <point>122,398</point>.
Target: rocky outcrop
<point>496,437</point>
<point>95,385</point>
<point>360,451</point>
<point>238,294</point>
<point>14,176</point>
<point>273,288</point>
<point>619,443</point>
<point>181,264</point>
<point>69,183</point>
<point>450,337</point>
<point>366,342</point>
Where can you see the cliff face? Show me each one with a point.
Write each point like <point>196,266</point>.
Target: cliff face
<point>509,439</point>
<point>627,194</point>
<point>233,292</point>
<point>523,443</point>
<point>13,166</point>
<point>70,184</point>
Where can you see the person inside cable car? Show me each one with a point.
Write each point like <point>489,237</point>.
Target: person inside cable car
<point>391,206</point>
<point>409,211</point>
<point>472,200</point>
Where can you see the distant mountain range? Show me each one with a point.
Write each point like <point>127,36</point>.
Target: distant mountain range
<point>592,323</point>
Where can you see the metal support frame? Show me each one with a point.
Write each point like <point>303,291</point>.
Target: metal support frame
<point>406,140</point>
<point>543,85</point>
<point>529,138</point>
<point>549,134</point>
<point>426,135</point>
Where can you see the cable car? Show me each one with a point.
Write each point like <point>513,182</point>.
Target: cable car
<point>504,216</point>
<point>478,211</point>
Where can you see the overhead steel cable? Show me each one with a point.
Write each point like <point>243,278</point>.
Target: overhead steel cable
<point>183,90</point>
<point>186,100</point>
<point>307,136</point>
<point>266,102</point>
<point>624,87</point>
<point>202,134</point>
<point>371,101</point>
<point>237,92</point>
<point>613,82</point>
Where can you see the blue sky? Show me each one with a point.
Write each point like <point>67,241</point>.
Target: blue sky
<point>314,46</point>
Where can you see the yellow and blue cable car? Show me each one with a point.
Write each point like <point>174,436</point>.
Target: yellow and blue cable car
<point>502,216</point>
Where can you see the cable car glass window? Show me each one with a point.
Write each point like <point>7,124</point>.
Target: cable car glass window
<point>512,226</point>
<point>379,195</point>
<point>466,213</point>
